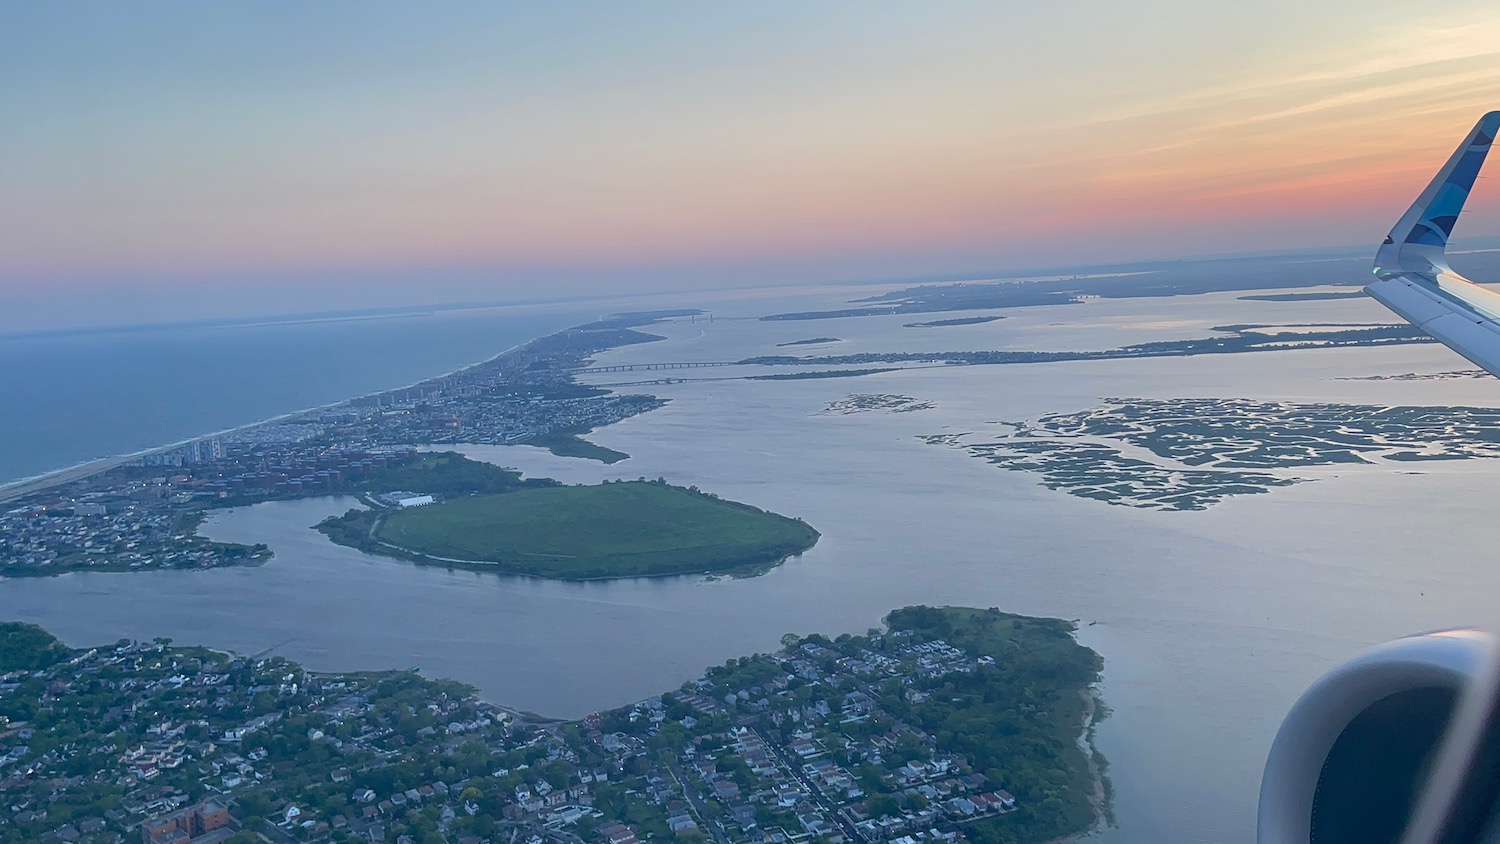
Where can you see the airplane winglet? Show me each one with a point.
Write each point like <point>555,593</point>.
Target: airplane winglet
<point>1413,276</point>
<point>1418,241</point>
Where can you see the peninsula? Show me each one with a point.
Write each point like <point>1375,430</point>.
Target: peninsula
<point>948,725</point>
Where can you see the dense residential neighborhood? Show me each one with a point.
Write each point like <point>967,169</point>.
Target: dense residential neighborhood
<point>863,739</point>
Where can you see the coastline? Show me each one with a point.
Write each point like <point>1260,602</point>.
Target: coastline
<point>1094,711</point>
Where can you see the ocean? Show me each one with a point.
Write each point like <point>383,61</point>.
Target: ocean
<point>72,397</point>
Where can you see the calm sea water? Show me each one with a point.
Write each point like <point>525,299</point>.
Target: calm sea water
<point>1211,623</point>
<point>70,398</point>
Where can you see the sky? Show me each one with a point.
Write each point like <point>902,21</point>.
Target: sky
<point>177,160</point>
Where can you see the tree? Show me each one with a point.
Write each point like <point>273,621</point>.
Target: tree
<point>882,806</point>
<point>254,806</point>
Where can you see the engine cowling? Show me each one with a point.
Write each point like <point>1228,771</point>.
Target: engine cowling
<point>1355,753</point>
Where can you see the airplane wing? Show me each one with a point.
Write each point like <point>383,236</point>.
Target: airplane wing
<point>1401,745</point>
<point>1415,280</point>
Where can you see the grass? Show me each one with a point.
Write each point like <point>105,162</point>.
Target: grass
<point>630,529</point>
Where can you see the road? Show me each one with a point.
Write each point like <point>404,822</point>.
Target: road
<point>696,801</point>
<point>829,807</point>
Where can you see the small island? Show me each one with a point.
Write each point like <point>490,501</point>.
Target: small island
<point>609,530</point>
<point>809,341</point>
<point>867,402</point>
<point>944,323</point>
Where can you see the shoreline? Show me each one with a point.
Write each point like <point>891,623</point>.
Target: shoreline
<point>1099,797</point>
<point>21,487</point>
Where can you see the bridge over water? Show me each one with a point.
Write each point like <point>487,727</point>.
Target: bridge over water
<point>635,367</point>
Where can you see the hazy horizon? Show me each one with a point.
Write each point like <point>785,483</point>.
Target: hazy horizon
<point>194,162</point>
<point>335,308</point>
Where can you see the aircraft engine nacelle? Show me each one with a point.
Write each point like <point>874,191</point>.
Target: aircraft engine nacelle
<point>1364,749</point>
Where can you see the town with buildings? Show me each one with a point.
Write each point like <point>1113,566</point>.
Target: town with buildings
<point>847,740</point>
<point>143,513</point>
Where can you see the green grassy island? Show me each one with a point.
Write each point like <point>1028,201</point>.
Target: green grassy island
<point>622,529</point>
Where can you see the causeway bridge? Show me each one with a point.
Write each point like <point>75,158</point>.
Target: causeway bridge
<point>641,367</point>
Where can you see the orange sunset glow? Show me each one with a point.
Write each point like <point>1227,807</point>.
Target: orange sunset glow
<point>705,146</point>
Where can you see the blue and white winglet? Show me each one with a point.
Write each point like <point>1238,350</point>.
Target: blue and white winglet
<point>1412,265</point>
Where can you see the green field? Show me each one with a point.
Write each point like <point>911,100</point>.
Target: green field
<point>630,529</point>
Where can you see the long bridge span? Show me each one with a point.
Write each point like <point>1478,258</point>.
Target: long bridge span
<point>634,367</point>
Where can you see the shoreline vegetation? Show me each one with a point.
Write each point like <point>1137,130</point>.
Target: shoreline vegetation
<point>612,530</point>
<point>951,718</point>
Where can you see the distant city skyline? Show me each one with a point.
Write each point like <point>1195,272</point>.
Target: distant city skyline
<point>184,161</point>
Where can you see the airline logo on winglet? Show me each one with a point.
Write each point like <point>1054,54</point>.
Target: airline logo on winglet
<point>1436,225</point>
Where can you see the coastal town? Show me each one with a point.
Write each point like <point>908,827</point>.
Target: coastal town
<point>142,514</point>
<point>861,739</point>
